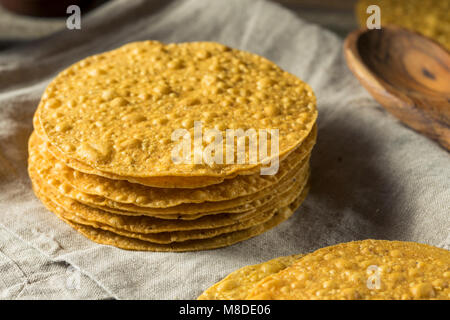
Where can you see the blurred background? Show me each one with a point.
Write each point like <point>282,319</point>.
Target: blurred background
<point>18,26</point>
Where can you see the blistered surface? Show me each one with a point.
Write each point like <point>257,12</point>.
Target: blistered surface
<point>369,269</point>
<point>117,111</point>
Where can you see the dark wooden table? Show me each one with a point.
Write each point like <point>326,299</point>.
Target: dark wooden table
<point>336,15</point>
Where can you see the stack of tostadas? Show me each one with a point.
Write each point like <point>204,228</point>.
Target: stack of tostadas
<point>101,156</point>
<point>368,270</point>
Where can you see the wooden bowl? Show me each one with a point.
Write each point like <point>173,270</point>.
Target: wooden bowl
<point>408,74</point>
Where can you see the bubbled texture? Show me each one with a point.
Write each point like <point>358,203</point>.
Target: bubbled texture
<point>406,270</point>
<point>100,156</point>
<point>125,192</point>
<point>238,283</point>
<point>116,111</point>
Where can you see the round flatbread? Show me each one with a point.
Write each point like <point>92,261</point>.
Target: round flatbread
<point>368,269</point>
<point>140,195</point>
<point>110,238</point>
<point>115,112</point>
<point>241,204</point>
<point>237,284</point>
<point>145,224</point>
